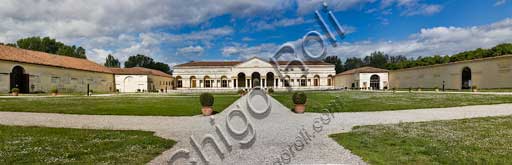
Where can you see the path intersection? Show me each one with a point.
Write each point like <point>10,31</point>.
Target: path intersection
<point>256,129</point>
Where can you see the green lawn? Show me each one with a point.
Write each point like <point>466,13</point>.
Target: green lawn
<point>356,101</point>
<point>116,105</point>
<point>39,145</point>
<point>467,141</point>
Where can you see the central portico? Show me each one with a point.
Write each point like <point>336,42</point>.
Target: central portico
<point>243,74</point>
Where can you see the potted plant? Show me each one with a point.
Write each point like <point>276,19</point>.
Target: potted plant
<point>90,92</point>
<point>299,99</point>
<point>436,88</point>
<point>270,90</point>
<point>410,89</point>
<point>394,90</point>
<point>419,89</point>
<point>206,100</point>
<point>241,92</point>
<point>15,91</point>
<point>474,88</point>
<point>54,91</point>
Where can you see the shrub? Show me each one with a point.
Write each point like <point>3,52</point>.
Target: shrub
<point>54,90</point>
<point>206,99</point>
<point>436,87</point>
<point>474,87</point>
<point>241,91</point>
<point>15,90</point>
<point>410,89</point>
<point>270,90</point>
<point>299,98</point>
<point>394,89</point>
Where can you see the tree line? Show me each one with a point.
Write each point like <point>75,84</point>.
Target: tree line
<point>138,60</point>
<point>381,60</point>
<point>49,45</point>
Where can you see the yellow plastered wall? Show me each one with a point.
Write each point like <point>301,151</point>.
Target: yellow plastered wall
<point>160,83</point>
<point>487,73</point>
<point>43,78</point>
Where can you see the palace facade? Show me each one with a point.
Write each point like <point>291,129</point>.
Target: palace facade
<point>253,72</point>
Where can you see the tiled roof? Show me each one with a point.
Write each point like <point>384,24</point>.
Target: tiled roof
<point>8,53</point>
<point>365,69</point>
<point>139,71</point>
<point>233,63</point>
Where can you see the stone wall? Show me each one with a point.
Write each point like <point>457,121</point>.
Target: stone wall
<point>494,72</point>
<point>43,78</point>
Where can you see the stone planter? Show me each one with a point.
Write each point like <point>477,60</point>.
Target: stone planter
<point>207,111</point>
<point>14,93</point>
<point>299,108</point>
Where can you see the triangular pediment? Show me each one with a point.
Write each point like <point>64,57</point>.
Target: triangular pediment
<point>254,63</point>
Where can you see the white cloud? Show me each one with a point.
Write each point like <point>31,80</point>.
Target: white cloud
<point>427,42</point>
<point>124,27</point>
<point>308,6</point>
<point>242,51</point>
<point>500,2</point>
<point>437,40</point>
<point>266,25</point>
<point>190,51</point>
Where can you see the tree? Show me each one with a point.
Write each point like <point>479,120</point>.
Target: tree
<point>140,60</point>
<point>353,62</point>
<point>376,59</point>
<point>336,61</point>
<point>50,45</point>
<point>112,62</point>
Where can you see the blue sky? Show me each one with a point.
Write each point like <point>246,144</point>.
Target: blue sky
<point>179,31</point>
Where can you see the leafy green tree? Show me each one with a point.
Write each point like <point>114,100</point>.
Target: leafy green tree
<point>50,45</point>
<point>140,60</point>
<point>353,62</point>
<point>336,61</point>
<point>376,59</point>
<point>112,62</point>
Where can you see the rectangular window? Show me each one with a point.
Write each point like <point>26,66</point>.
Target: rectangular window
<point>55,80</point>
<point>303,82</point>
<point>207,83</point>
<point>224,83</point>
<point>179,84</point>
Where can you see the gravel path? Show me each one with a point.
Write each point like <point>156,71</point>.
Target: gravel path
<point>274,132</point>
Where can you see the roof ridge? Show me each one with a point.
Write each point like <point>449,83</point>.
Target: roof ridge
<point>10,53</point>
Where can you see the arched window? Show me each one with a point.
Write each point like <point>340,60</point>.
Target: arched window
<point>224,82</point>
<point>179,83</point>
<point>255,79</point>
<point>375,82</point>
<point>19,79</point>
<point>316,80</point>
<point>193,82</point>
<point>207,82</point>
<point>270,79</point>
<point>303,80</point>
<point>466,78</point>
<point>241,80</point>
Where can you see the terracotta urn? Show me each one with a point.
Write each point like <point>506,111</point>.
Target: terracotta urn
<point>207,111</point>
<point>299,108</point>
